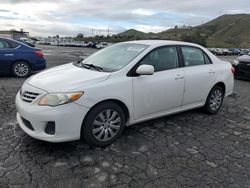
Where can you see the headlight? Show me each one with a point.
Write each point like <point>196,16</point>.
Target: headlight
<point>235,62</point>
<point>55,99</point>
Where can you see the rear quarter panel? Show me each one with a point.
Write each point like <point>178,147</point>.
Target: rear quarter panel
<point>28,55</point>
<point>224,74</point>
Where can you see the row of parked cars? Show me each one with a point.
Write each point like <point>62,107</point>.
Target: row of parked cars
<point>228,51</point>
<point>89,44</point>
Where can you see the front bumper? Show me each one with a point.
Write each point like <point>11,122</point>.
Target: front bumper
<point>67,118</point>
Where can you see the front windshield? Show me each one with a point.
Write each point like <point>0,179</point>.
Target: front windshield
<point>115,57</point>
<point>249,53</point>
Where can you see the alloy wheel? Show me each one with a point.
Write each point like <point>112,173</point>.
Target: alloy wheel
<point>106,125</point>
<point>216,100</point>
<point>21,69</point>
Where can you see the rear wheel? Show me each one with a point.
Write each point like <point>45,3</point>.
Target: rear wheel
<point>103,124</point>
<point>214,100</point>
<point>20,69</point>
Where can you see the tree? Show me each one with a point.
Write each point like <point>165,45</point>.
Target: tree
<point>80,36</point>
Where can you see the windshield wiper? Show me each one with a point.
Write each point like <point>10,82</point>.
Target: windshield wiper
<point>88,66</point>
<point>80,61</point>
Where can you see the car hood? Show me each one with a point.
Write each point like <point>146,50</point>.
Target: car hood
<point>244,58</point>
<point>66,78</point>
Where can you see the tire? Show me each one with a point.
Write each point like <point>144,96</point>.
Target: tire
<point>99,122</point>
<point>214,100</point>
<point>20,69</point>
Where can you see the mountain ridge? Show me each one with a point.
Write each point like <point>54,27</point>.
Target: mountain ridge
<point>229,30</point>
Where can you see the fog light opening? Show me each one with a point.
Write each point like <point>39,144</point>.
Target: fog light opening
<point>50,128</point>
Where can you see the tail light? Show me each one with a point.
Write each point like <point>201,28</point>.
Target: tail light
<point>39,53</point>
<point>233,70</point>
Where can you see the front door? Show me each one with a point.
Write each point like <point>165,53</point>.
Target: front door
<point>162,91</point>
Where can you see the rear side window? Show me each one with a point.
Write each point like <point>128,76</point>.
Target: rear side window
<point>13,44</point>
<point>194,56</point>
<point>8,44</point>
<point>3,44</point>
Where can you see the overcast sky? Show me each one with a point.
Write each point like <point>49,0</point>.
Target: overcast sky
<point>69,17</point>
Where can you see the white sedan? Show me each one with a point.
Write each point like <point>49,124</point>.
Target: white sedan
<point>121,85</point>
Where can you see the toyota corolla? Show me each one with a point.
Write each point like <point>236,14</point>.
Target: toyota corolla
<point>121,85</point>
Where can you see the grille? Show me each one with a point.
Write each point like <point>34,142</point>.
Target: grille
<point>244,66</point>
<point>28,96</point>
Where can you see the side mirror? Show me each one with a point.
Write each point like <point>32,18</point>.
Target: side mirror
<point>145,70</point>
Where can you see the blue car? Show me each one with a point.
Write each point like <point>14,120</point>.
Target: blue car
<point>19,59</point>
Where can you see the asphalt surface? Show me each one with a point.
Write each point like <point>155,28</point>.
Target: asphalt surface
<point>190,149</point>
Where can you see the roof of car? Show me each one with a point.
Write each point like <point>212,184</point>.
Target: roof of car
<point>161,42</point>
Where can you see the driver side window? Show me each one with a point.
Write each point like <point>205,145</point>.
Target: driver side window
<point>161,59</point>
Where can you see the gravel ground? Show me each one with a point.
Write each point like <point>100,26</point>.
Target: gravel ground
<point>190,149</point>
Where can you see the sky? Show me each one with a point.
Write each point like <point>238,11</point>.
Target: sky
<point>70,17</point>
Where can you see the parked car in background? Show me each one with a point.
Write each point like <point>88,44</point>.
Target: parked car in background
<point>227,52</point>
<point>27,41</point>
<point>19,59</point>
<point>101,45</point>
<point>242,66</point>
<point>216,51</point>
<point>90,44</point>
<point>244,51</point>
<point>234,51</point>
<point>121,85</point>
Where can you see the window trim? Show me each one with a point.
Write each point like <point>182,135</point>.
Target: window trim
<point>132,71</point>
<point>203,52</point>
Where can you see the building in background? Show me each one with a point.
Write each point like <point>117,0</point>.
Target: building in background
<point>21,36</point>
<point>14,34</point>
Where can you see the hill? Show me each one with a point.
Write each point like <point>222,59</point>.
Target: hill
<point>133,33</point>
<point>224,31</point>
<point>228,30</point>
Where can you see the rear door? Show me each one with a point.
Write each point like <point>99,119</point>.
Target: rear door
<point>199,73</point>
<point>7,54</point>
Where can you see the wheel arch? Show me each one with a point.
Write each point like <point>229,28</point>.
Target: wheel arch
<point>18,61</point>
<point>118,102</point>
<point>222,85</point>
<point>219,83</point>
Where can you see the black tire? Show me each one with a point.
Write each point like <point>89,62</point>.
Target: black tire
<point>21,74</point>
<point>88,124</point>
<point>208,106</point>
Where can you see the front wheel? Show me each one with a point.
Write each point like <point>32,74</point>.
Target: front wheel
<point>103,124</point>
<point>214,100</point>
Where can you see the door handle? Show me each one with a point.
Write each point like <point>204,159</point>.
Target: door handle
<point>8,54</point>
<point>211,72</point>
<point>178,77</point>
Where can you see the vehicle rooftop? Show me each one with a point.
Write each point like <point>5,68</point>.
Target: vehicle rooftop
<point>161,42</point>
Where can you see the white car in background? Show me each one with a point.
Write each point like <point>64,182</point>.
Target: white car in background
<point>121,85</point>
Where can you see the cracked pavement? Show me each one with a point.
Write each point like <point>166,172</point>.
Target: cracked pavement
<point>190,149</point>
